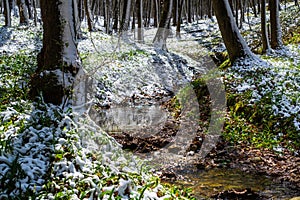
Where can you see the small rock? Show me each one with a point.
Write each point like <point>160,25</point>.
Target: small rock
<point>295,198</point>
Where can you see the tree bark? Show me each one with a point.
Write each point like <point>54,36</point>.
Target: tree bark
<point>264,32</point>
<point>237,12</point>
<point>24,20</point>
<point>58,61</point>
<point>116,15</point>
<point>254,8</point>
<point>125,16</point>
<point>163,31</point>
<point>28,5</point>
<point>156,12</point>
<point>140,31</point>
<point>178,35</point>
<point>88,15</point>
<point>35,18</point>
<point>7,13</point>
<point>276,34</point>
<point>234,42</point>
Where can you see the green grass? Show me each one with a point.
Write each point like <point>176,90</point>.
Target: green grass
<point>15,71</point>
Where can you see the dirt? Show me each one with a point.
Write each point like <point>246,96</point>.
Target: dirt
<point>283,167</point>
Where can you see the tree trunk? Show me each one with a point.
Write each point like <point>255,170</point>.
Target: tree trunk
<point>88,15</point>
<point>160,39</point>
<point>140,31</point>
<point>125,19</point>
<point>175,12</point>
<point>276,34</point>
<point>7,13</point>
<point>156,13</point>
<point>133,11</point>
<point>237,12</point>
<point>58,61</point>
<point>116,16</point>
<point>254,8</point>
<point>77,20</point>
<point>178,35</point>
<point>107,15</point>
<point>28,5</point>
<point>234,42</point>
<point>264,33</point>
<point>125,15</point>
<point>189,10</point>
<point>210,10</point>
<point>34,12</point>
<point>24,20</point>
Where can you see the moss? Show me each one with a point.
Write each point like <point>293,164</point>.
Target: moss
<point>48,86</point>
<point>226,64</point>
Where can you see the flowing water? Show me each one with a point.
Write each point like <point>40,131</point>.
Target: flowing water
<point>215,181</point>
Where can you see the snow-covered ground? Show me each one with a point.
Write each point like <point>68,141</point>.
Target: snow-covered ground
<point>277,80</point>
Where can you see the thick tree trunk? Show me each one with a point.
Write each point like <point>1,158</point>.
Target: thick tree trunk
<point>160,39</point>
<point>264,32</point>
<point>234,42</point>
<point>276,34</point>
<point>58,61</point>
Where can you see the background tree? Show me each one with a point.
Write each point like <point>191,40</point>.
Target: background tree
<point>178,25</point>
<point>58,61</point>
<point>139,5</point>
<point>88,14</point>
<point>276,34</point>
<point>125,20</point>
<point>7,13</point>
<point>163,30</point>
<point>264,32</point>
<point>23,13</point>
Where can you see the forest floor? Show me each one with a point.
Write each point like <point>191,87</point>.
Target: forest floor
<point>149,90</point>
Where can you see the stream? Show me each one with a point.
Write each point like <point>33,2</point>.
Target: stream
<point>235,184</point>
<point>216,183</point>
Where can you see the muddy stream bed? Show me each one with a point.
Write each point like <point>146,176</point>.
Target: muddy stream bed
<point>145,130</point>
